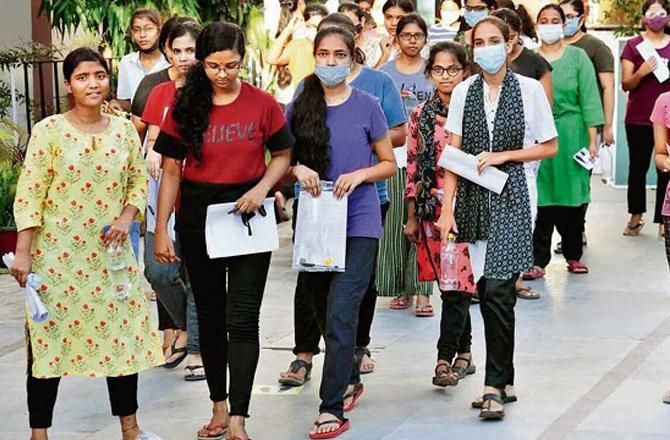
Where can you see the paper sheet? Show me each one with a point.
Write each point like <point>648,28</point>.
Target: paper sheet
<point>38,312</point>
<point>648,51</point>
<point>320,232</point>
<point>465,165</point>
<point>152,208</point>
<point>478,257</point>
<point>583,157</point>
<point>226,235</point>
<point>400,154</point>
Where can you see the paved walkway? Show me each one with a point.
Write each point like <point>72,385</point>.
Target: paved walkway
<point>591,361</point>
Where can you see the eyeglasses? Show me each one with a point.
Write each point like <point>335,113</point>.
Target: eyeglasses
<point>451,70</point>
<point>215,69</point>
<point>476,8</point>
<point>406,36</point>
<point>650,14</point>
<point>145,30</point>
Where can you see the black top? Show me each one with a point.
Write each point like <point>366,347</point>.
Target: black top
<point>530,64</point>
<point>144,89</point>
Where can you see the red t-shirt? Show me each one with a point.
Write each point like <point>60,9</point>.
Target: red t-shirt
<point>233,149</point>
<point>159,102</point>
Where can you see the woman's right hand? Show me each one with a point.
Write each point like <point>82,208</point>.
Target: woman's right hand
<point>153,161</point>
<point>386,44</point>
<point>309,179</point>
<point>164,248</point>
<point>446,223</point>
<point>412,230</point>
<point>21,267</point>
<point>647,67</point>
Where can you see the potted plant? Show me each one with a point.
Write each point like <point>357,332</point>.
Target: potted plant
<point>12,142</point>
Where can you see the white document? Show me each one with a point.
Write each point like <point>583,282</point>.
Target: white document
<point>38,312</point>
<point>465,165</point>
<point>320,232</point>
<point>648,51</point>
<point>227,235</point>
<point>400,154</point>
<point>152,208</point>
<point>583,157</point>
<point>478,257</point>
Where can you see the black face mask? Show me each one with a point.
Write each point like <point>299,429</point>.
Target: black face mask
<point>150,50</point>
<point>246,216</point>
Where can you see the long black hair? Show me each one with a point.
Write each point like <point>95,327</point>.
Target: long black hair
<point>194,102</point>
<point>308,120</point>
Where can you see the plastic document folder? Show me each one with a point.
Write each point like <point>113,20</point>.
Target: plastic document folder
<point>152,208</point>
<point>229,233</point>
<point>38,312</point>
<point>320,232</point>
<point>465,165</point>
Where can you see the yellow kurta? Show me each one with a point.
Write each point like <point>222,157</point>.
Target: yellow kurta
<point>71,186</point>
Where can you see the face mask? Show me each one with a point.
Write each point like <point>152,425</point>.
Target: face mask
<point>656,24</point>
<point>550,33</point>
<point>571,26</point>
<point>472,17</point>
<point>449,17</point>
<point>490,58</point>
<point>332,75</point>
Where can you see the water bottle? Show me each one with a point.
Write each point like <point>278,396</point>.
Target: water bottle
<point>117,267</point>
<point>448,267</point>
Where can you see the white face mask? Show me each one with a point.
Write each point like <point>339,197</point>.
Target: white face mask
<point>550,33</point>
<point>449,17</point>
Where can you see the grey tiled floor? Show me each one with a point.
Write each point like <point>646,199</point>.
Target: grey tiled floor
<point>592,361</point>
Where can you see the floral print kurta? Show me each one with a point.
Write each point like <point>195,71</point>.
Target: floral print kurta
<point>71,186</point>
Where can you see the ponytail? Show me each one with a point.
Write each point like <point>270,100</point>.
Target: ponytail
<point>192,108</point>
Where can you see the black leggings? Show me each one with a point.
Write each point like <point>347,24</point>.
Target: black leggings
<point>569,222</point>
<point>455,326</point>
<point>228,314</point>
<point>42,398</point>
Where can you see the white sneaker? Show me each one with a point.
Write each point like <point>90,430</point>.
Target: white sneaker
<point>147,436</point>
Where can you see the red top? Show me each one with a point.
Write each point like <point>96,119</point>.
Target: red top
<point>159,102</point>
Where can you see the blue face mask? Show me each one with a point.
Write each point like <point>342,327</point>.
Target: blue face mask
<point>332,75</point>
<point>571,26</point>
<point>472,16</point>
<point>490,58</point>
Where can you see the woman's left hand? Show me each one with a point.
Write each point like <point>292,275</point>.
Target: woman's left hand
<point>251,200</point>
<point>117,232</point>
<point>347,183</point>
<point>488,159</point>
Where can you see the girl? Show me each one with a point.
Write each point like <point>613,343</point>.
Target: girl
<point>638,79</point>
<point>505,120</point>
<point>450,21</point>
<point>83,174</point>
<point>474,11</point>
<point>660,117</point>
<point>221,164</point>
<point>447,65</point>
<point>337,130</point>
<point>527,35</point>
<point>393,11</point>
<point>396,269</point>
<point>564,185</point>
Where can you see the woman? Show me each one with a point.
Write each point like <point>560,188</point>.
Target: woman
<point>527,35</point>
<point>449,22</point>
<point>219,130</point>
<point>396,269</point>
<point>170,281</point>
<point>306,331</point>
<point>337,129</point>
<point>447,66</point>
<point>563,184</point>
<point>82,184</point>
<point>660,117</point>
<point>145,28</point>
<point>385,47</point>
<point>639,80</point>
<point>474,11</point>
<point>505,120</point>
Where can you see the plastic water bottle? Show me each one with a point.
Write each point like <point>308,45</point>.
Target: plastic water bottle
<point>448,267</point>
<point>117,267</point>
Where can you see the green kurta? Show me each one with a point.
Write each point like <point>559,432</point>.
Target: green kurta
<point>561,181</point>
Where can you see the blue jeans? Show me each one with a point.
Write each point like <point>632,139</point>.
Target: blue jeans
<point>173,289</point>
<point>336,298</point>
<point>135,239</point>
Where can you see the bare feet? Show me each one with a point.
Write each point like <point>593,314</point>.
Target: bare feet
<point>367,364</point>
<point>236,429</point>
<point>38,434</point>
<point>169,336</point>
<point>129,428</point>
<point>180,341</point>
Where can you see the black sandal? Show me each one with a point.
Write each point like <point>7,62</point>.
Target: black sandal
<point>445,376</point>
<point>486,413</point>
<point>358,358</point>
<point>174,350</point>
<point>295,366</point>
<point>461,372</point>
<point>505,399</point>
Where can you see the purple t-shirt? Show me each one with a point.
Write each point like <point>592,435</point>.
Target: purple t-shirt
<point>661,116</point>
<point>641,99</point>
<point>354,125</point>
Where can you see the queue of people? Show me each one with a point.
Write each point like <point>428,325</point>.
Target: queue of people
<point>371,113</point>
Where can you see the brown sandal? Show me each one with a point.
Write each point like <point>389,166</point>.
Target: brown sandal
<point>445,376</point>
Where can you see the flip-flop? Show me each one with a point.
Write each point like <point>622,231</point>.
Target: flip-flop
<point>343,427</point>
<point>577,267</point>
<point>488,414</point>
<point>462,372</point>
<point>533,274</point>
<point>400,303</point>
<point>527,293</point>
<point>477,404</point>
<point>294,367</point>
<point>190,376</point>
<point>174,350</point>
<point>424,311</point>
<point>209,429</point>
<point>633,230</point>
<point>358,357</point>
<point>355,395</point>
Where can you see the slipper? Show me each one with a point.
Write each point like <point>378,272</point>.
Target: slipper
<point>401,303</point>
<point>424,311</point>
<point>633,230</point>
<point>294,367</point>
<point>445,376</point>
<point>343,427</point>
<point>577,267</point>
<point>358,358</point>
<point>208,429</point>
<point>488,414</point>
<point>355,395</point>
<point>477,404</point>
<point>191,376</point>
<point>461,372</point>
<point>527,293</point>
<point>174,350</point>
<point>533,274</point>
